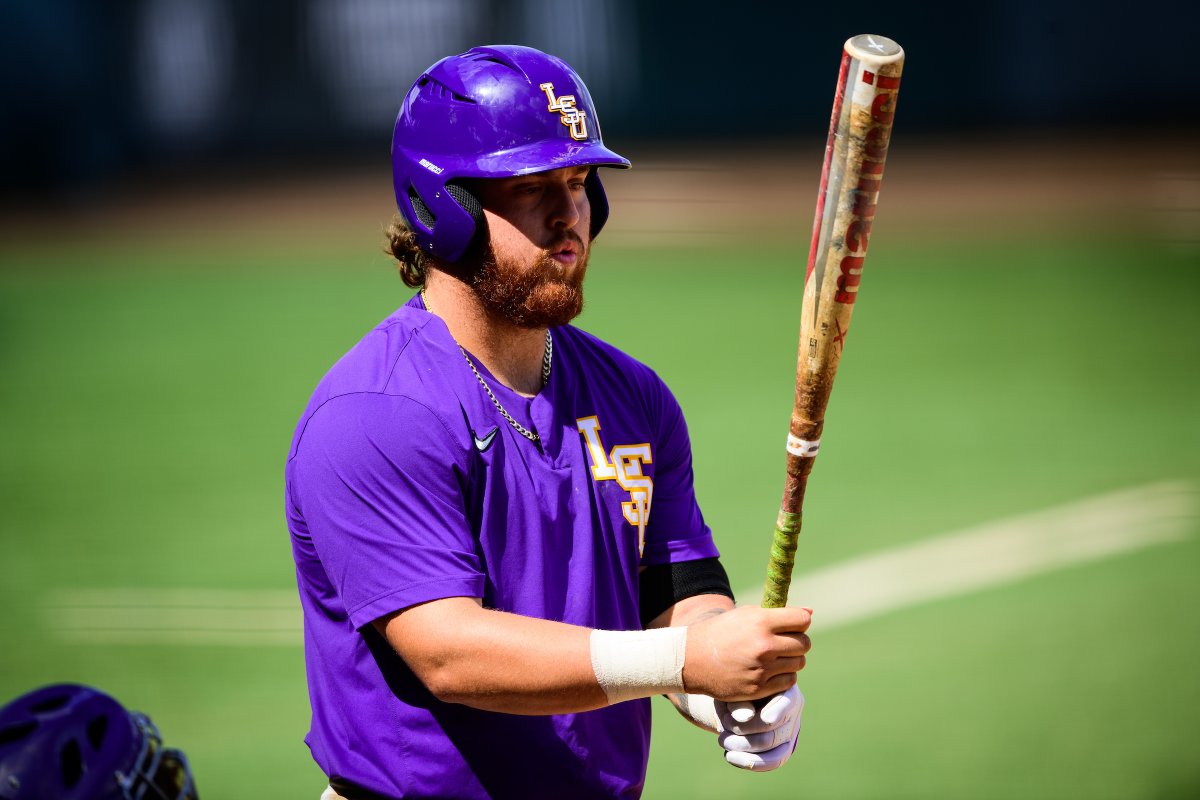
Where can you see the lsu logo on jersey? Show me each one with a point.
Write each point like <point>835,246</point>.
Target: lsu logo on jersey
<point>623,465</point>
<point>572,117</point>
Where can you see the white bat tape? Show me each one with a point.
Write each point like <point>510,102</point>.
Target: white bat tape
<point>802,447</point>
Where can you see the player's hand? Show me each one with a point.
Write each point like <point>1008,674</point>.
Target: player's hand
<point>760,736</point>
<point>746,653</point>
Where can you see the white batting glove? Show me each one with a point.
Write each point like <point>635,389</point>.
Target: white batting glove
<point>760,736</point>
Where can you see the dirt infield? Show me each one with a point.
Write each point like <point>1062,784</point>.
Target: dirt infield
<point>688,196</point>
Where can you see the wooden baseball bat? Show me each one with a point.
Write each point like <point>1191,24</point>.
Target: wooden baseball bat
<point>859,132</point>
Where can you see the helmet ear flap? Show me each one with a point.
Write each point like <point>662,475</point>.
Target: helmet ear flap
<point>469,202</point>
<point>448,219</point>
<point>422,212</point>
<point>597,199</point>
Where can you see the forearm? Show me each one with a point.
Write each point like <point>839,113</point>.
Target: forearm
<point>503,662</point>
<point>497,661</point>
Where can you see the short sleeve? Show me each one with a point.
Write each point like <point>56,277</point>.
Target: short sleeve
<point>381,484</point>
<point>676,531</point>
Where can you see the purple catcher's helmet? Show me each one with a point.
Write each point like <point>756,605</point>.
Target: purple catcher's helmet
<point>72,742</point>
<point>491,112</point>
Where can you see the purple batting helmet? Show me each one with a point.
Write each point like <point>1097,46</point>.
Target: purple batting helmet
<point>491,112</point>
<point>74,742</point>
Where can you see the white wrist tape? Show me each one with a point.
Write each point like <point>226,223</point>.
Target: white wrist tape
<point>633,664</point>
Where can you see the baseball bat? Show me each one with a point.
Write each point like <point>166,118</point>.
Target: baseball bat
<point>859,131</point>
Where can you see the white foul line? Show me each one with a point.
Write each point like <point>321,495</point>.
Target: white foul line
<point>981,557</point>
<point>252,617</point>
<point>995,553</point>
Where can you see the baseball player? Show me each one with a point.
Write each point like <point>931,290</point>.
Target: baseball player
<point>498,547</point>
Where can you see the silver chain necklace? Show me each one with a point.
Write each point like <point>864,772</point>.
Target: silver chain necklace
<point>547,360</point>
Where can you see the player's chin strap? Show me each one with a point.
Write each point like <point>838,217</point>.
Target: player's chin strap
<point>633,664</point>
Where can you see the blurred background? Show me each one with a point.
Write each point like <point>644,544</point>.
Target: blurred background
<point>1001,535</point>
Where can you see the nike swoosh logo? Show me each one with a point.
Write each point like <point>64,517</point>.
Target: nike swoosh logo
<point>482,444</point>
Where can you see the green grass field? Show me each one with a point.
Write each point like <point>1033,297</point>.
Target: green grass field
<point>148,396</point>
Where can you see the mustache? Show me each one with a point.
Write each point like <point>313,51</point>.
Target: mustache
<point>568,237</point>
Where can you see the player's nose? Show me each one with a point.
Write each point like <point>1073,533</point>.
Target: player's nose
<point>567,206</point>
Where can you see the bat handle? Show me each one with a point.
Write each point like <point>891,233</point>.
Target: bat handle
<point>783,558</point>
<point>787,524</point>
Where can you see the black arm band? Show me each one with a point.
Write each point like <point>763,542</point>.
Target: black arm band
<point>664,585</point>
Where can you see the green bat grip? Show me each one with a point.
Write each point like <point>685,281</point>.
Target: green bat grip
<point>783,557</point>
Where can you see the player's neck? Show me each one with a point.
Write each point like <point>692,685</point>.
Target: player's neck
<point>512,354</point>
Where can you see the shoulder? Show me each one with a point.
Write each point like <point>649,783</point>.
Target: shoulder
<point>366,444</point>
<point>380,357</point>
<point>379,422</point>
<point>610,372</point>
<point>597,359</point>
<point>387,385</point>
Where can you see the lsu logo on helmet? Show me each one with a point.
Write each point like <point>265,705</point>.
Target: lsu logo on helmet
<point>572,117</point>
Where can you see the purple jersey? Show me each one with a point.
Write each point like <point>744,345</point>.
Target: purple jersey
<point>405,484</point>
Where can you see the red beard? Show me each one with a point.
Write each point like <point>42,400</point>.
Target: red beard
<point>539,296</point>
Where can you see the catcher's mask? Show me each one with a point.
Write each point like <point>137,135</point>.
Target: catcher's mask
<point>72,742</point>
<point>491,112</point>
